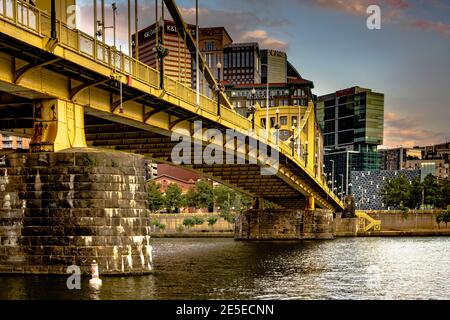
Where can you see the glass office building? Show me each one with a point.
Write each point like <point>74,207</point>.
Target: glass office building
<point>352,122</point>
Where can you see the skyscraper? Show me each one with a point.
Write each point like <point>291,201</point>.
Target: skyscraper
<point>352,121</point>
<point>178,64</point>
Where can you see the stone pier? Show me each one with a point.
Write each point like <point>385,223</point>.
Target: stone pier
<point>284,225</point>
<point>73,207</point>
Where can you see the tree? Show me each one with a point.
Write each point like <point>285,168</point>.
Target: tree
<point>415,200</point>
<point>205,195</point>
<point>173,198</point>
<point>397,192</point>
<point>191,198</point>
<point>433,192</point>
<point>155,196</point>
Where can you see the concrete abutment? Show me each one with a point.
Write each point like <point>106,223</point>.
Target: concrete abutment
<point>73,207</point>
<point>284,225</point>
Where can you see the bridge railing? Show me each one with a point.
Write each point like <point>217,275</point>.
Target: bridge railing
<point>27,16</point>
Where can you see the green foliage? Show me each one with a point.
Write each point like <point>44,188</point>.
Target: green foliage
<point>180,228</point>
<point>190,198</point>
<point>155,222</point>
<point>212,221</point>
<point>189,222</point>
<point>229,200</point>
<point>162,227</point>
<point>199,221</point>
<point>443,217</point>
<point>433,192</point>
<point>173,199</point>
<point>155,196</point>
<point>396,191</point>
<point>90,161</point>
<point>400,193</point>
<point>205,195</point>
<point>415,200</point>
<point>405,212</point>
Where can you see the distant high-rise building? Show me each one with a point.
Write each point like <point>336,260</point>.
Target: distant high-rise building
<point>274,66</point>
<point>352,122</point>
<point>212,42</point>
<point>294,93</point>
<point>178,64</point>
<point>242,64</point>
<point>394,159</point>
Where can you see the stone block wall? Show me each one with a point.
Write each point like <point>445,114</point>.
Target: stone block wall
<point>73,207</point>
<point>284,225</point>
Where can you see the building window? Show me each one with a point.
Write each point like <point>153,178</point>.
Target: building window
<point>294,120</point>
<point>283,121</point>
<point>272,122</point>
<point>263,123</point>
<point>225,60</point>
<point>209,46</point>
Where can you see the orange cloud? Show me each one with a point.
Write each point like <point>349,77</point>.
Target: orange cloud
<point>408,132</point>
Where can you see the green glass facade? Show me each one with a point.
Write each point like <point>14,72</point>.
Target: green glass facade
<point>352,122</point>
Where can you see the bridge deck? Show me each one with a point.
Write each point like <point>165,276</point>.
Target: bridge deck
<point>86,72</point>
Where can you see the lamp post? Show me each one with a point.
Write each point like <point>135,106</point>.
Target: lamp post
<point>252,108</point>
<point>293,140</point>
<point>342,186</point>
<point>114,8</point>
<point>219,88</point>
<point>161,52</point>
<point>277,126</point>
<point>332,174</point>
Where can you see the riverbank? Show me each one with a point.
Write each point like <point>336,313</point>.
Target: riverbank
<point>229,235</point>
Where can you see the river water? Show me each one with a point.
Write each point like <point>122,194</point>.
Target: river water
<point>350,268</point>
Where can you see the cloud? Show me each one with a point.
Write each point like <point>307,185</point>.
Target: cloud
<point>237,22</point>
<point>393,11</point>
<point>439,27</point>
<point>264,40</point>
<point>408,132</point>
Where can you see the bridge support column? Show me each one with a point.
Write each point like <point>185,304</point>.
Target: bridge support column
<point>72,207</point>
<point>311,203</point>
<point>284,225</point>
<point>58,125</point>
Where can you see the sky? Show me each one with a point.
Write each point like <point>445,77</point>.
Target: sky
<point>328,41</point>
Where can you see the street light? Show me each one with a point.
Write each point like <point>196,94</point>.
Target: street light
<point>252,108</point>
<point>161,52</point>
<point>114,8</point>
<point>293,140</point>
<point>332,174</point>
<point>219,88</point>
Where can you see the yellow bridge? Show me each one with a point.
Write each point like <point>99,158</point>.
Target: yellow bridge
<point>367,223</point>
<point>74,91</point>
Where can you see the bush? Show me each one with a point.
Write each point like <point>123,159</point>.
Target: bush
<point>212,221</point>
<point>189,222</point>
<point>180,228</point>
<point>199,221</point>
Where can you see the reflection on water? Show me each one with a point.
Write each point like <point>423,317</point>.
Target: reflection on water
<point>369,268</point>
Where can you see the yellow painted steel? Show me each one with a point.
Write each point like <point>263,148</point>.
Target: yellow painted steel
<point>82,50</point>
<point>367,223</point>
<point>59,125</point>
